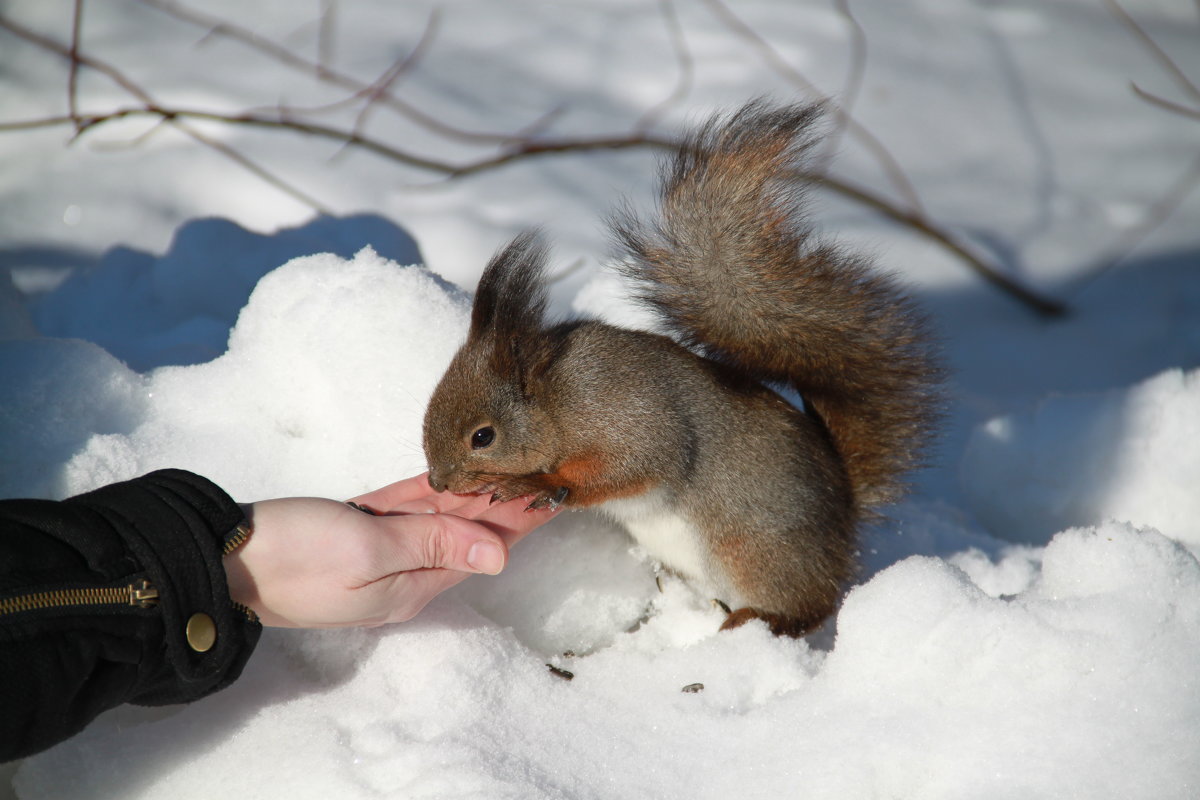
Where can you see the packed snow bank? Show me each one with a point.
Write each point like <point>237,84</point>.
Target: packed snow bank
<point>991,671</point>
<point>1082,686</point>
<point>1128,454</point>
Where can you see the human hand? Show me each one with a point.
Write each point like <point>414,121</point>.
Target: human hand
<point>317,563</point>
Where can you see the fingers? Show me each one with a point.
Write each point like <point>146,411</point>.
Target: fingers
<point>440,541</point>
<point>387,497</point>
<point>415,496</point>
<point>512,521</point>
<point>467,506</point>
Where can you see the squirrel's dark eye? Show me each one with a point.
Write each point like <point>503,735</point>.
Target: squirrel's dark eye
<point>483,437</point>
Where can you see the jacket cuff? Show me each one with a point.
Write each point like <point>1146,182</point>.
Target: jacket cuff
<point>176,524</point>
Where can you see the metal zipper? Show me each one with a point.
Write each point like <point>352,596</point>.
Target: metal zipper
<point>240,534</point>
<point>250,614</point>
<point>141,594</point>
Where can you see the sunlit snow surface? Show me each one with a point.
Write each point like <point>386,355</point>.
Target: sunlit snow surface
<point>1026,626</point>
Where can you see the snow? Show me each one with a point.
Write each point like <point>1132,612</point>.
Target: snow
<point>1085,459</point>
<point>1026,625</point>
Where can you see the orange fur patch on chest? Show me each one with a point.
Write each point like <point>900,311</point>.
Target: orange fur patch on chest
<point>590,481</point>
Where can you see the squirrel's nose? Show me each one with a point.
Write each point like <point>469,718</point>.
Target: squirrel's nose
<point>436,483</point>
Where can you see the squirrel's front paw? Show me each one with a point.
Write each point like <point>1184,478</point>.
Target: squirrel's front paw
<point>503,494</point>
<point>549,501</point>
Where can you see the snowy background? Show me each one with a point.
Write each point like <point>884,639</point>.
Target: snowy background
<point>1027,625</point>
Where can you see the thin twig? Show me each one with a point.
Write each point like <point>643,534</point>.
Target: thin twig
<point>378,88</point>
<point>218,26</point>
<point>1043,305</point>
<point>549,147</point>
<point>402,66</point>
<point>1159,213</point>
<point>73,55</point>
<point>687,67</point>
<point>138,140</point>
<point>1164,103</point>
<point>1178,191</point>
<point>1160,55</point>
<point>255,168</point>
<point>777,62</point>
<point>854,78</point>
<point>325,36</point>
<point>47,43</point>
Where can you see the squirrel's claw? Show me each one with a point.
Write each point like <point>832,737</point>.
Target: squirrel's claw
<point>551,501</point>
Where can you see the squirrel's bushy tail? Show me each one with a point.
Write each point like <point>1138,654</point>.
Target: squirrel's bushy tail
<point>731,265</point>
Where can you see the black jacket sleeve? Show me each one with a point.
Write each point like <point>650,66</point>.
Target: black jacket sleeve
<point>112,597</point>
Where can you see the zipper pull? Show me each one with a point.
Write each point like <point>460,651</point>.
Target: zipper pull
<point>143,594</point>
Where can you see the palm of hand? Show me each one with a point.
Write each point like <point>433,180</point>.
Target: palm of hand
<point>314,562</point>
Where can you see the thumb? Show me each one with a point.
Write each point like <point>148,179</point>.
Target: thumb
<point>444,541</point>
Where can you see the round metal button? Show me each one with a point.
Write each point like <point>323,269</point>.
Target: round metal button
<point>201,632</point>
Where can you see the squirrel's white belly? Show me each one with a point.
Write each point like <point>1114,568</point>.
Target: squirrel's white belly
<point>666,536</point>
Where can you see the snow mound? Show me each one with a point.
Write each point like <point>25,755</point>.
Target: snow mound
<point>321,390</point>
<point>934,689</point>
<point>973,668</point>
<point>1127,454</point>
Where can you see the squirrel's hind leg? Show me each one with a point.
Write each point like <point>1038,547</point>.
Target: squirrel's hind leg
<point>780,624</point>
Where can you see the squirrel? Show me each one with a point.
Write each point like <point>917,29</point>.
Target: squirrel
<point>683,438</point>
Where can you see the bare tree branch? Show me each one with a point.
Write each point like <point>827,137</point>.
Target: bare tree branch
<point>84,123</point>
<point>525,150</point>
<point>386,81</point>
<point>46,43</point>
<point>1043,305</point>
<point>517,150</point>
<point>323,73</point>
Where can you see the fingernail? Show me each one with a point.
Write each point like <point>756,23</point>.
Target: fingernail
<point>487,557</point>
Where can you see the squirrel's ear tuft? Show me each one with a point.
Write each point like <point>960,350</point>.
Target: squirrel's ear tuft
<point>511,298</point>
<point>507,319</point>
